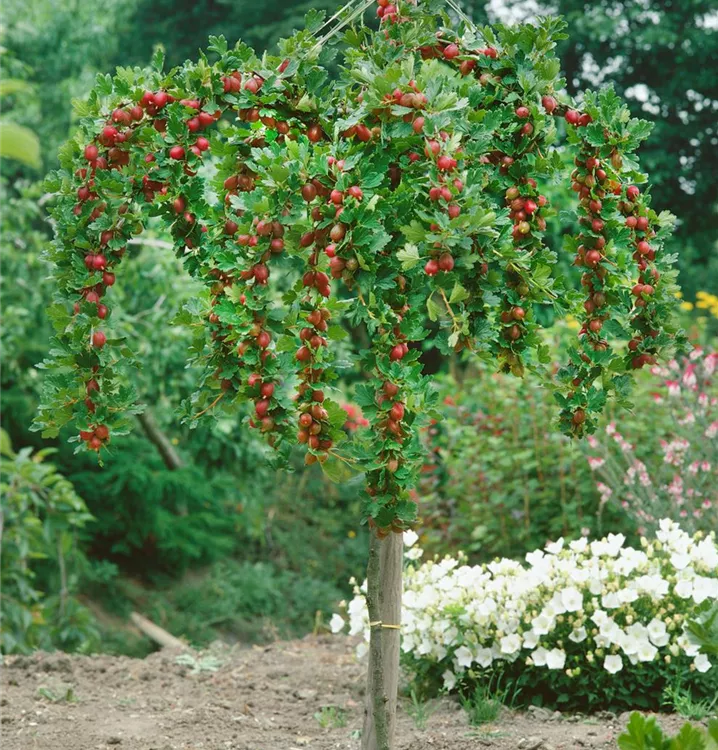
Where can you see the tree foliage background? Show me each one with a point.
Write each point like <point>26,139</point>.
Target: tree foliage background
<point>267,547</point>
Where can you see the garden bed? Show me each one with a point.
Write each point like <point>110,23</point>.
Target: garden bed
<point>297,694</point>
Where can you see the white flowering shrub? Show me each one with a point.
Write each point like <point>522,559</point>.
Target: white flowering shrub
<point>580,625</point>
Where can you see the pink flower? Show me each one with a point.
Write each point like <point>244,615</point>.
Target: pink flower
<point>710,363</point>
<point>674,389</point>
<point>595,462</point>
<point>697,353</point>
<point>689,376</point>
<point>712,430</point>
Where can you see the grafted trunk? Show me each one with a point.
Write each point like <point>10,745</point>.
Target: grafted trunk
<point>384,605</point>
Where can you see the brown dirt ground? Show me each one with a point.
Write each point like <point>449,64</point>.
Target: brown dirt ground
<point>260,698</point>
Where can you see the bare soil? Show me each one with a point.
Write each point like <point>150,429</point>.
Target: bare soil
<point>285,696</point>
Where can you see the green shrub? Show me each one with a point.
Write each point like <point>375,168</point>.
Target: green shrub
<point>644,733</point>
<point>40,516</point>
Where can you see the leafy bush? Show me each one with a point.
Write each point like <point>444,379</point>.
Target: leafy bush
<point>665,463</point>
<point>498,481</point>
<point>561,628</point>
<point>644,733</point>
<point>242,601</point>
<point>40,516</point>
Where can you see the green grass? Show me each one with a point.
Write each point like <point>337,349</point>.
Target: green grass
<point>419,709</point>
<point>331,717</point>
<point>682,702</point>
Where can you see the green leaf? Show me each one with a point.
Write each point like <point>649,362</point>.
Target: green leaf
<point>6,445</point>
<point>433,309</point>
<point>158,58</point>
<point>458,293</point>
<point>13,86</point>
<point>337,469</point>
<point>19,143</point>
<point>408,256</point>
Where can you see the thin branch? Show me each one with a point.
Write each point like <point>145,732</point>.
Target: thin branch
<point>211,406</point>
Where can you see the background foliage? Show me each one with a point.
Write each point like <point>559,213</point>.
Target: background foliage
<point>162,537</point>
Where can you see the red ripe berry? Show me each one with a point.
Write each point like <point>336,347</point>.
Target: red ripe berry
<point>549,104</point>
<point>99,339</point>
<point>202,144</point>
<point>205,119</point>
<point>632,193</point>
<point>530,206</point>
<point>642,224</point>
<point>446,262</point>
<point>85,435</point>
<point>336,197</point>
<point>176,152</point>
<point>261,273</point>
<point>314,133</point>
<point>631,222</point>
<point>304,354</point>
<point>261,407</point>
<point>102,312</point>
<point>593,258</point>
<point>83,193</point>
<point>160,99</point>
<point>572,117</point>
<point>397,352</point>
<point>94,443</point>
<point>597,226</point>
<point>584,119</point>
<point>263,339</point>
<point>454,211</point>
<point>91,386</point>
<point>432,267</point>
<point>108,279</point>
<point>136,112</point>
<point>579,417</point>
<point>418,124</point>
<point>309,192</point>
<point>91,152</point>
<point>643,247</point>
<point>98,262</point>
<point>445,163</point>
<point>451,51</point>
<point>267,389</point>
<point>102,432</point>
<point>523,113</point>
<point>109,134</point>
<point>355,192</point>
<point>397,412</point>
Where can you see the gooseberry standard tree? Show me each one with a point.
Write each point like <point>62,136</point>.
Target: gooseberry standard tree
<point>404,197</point>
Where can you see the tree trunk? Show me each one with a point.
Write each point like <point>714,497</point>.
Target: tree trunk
<point>384,606</point>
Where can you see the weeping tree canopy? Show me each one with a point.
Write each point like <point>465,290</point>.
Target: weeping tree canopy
<point>402,197</point>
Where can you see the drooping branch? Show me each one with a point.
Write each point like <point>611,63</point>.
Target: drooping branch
<point>164,446</point>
